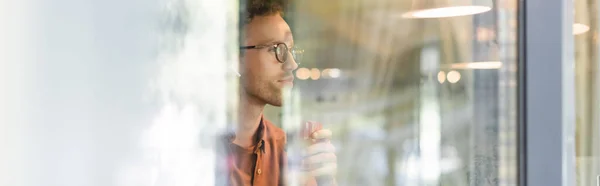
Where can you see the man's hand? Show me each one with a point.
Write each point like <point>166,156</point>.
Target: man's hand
<point>319,157</point>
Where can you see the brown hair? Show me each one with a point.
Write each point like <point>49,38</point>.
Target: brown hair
<point>252,8</point>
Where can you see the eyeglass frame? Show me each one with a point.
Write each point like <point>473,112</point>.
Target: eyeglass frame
<point>293,51</point>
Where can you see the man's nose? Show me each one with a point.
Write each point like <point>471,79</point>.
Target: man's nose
<point>290,64</point>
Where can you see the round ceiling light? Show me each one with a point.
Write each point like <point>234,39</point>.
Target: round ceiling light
<point>579,28</point>
<point>452,11</point>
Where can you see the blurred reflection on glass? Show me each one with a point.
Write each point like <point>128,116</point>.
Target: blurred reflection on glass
<point>410,100</point>
<point>114,92</point>
<point>585,33</point>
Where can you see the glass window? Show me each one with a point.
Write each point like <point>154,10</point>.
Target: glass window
<point>414,93</point>
<point>587,148</point>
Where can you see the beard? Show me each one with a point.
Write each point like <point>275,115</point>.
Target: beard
<point>264,92</point>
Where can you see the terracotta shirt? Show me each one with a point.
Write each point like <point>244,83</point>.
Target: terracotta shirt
<point>262,164</point>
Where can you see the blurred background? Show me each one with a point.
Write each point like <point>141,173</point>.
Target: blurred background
<point>413,98</point>
<point>587,79</point>
<point>416,92</point>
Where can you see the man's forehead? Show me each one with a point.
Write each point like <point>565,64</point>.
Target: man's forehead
<point>271,38</point>
<point>266,29</point>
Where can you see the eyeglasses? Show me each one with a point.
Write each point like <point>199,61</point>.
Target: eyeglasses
<point>281,51</point>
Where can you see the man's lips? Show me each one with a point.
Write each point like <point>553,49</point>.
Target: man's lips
<point>287,80</point>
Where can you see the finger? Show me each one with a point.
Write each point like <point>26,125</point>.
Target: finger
<point>321,158</point>
<point>309,128</point>
<point>327,169</point>
<point>321,134</point>
<point>323,147</point>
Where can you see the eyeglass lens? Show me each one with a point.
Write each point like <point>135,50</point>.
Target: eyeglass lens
<point>282,52</point>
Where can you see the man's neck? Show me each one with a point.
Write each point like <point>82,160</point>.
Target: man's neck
<point>250,114</point>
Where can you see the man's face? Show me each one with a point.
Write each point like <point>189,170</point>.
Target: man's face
<point>263,77</point>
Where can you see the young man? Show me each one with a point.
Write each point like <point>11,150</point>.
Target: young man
<point>266,64</point>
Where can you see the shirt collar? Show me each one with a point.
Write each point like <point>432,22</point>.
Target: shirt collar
<point>262,135</point>
<point>260,138</point>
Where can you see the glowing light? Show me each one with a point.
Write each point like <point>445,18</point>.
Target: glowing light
<point>452,11</point>
<point>315,74</point>
<point>579,28</point>
<point>335,73</point>
<point>477,65</point>
<point>303,73</point>
<point>441,76</point>
<point>453,76</point>
<point>331,73</point>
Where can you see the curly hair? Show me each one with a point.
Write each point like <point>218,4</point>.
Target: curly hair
<point>252,8</point>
